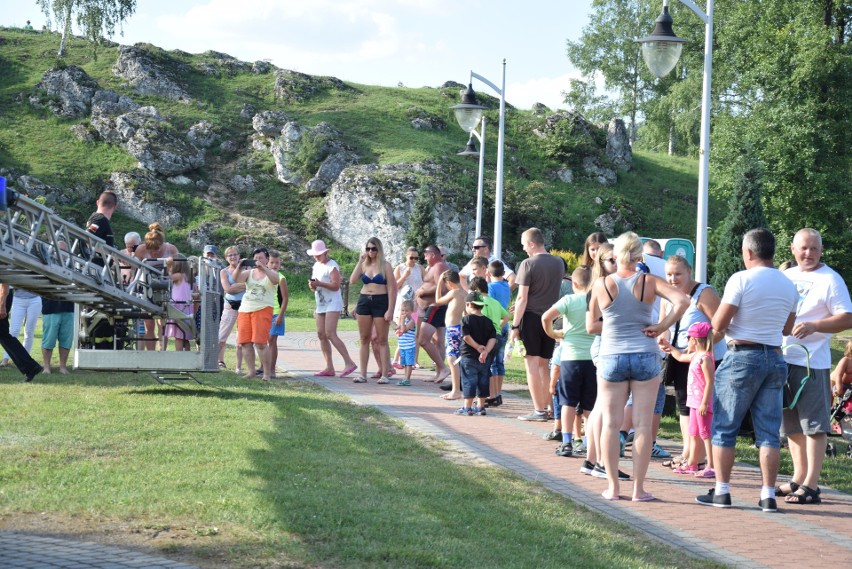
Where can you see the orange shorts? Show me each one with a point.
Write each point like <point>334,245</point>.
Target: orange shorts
<point>253,327</point>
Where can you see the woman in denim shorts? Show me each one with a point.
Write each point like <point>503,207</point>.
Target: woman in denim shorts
<point>629,358</point>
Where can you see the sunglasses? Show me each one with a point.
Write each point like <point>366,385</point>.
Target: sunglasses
<point>371,248</point>
<point>478,247</point>
<point>609,260</point>
<point>413,258</point>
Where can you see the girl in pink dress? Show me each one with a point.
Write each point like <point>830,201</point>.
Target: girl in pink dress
<point>699,397</point>
<point>182,300</point>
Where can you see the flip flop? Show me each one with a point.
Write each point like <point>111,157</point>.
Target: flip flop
<point>645,498</point>
<point>610,498</point>
<point>347,371</point>
<point>324,373</point>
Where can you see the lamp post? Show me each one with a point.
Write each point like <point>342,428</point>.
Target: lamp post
<point>469,114</point>
<point>661,51</point>
<point>470,150</point>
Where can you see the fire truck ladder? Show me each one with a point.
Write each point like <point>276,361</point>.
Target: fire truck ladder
<point>45,254</point>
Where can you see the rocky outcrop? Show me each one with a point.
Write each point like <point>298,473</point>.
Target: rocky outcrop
<point>151,140</point>
<point>316,151</point>
<point>540,109</point>
<point>618,148</point>
<point>292,86</point>
<point>620,216</point>
<point>269,123</point>
<point>422,120</point>
<point>203,134</point>
<point>48,194</point>
<point>370,200</point>
<point>67,92</point>
<point>138,197</point>
<point>146,77</point>
<point>254,233</point>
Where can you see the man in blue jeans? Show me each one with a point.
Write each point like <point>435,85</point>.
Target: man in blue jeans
<point>757,310</point>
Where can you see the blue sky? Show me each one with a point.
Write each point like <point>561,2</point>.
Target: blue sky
<point>375,42</point>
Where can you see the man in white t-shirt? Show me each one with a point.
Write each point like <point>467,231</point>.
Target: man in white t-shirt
<point>482,248</point>
<point>757,310</point>
<point>824,308</point>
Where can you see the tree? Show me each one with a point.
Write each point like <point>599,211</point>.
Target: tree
<point>786,91</point>
<point>583,99</point>
<point>745,213</point>
<point>97,18</point>
<point>421,229</point>
<point>608,46</point>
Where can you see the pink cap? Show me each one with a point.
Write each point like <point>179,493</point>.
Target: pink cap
<point>698,330</point>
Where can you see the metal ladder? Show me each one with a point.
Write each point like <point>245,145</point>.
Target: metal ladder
<point>50,256</point>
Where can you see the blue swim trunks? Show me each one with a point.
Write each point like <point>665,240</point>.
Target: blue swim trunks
<point>453,337</point>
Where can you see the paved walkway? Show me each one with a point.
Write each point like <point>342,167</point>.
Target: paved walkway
<point>818,536</point>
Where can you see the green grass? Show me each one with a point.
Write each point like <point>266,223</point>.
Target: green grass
<point>280,475</point>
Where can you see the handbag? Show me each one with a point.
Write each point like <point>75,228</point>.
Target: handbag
<point>235,304</point>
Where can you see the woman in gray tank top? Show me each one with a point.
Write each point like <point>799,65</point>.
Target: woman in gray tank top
<point>629,359</point>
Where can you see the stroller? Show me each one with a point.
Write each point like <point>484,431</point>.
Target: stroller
<point>841,421</point>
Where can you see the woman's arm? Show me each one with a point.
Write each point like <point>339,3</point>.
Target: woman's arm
<point>708,302</point>
<point>678,300</point>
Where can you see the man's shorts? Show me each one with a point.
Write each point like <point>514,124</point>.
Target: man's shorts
<point>58,326</point>
<point>278,330</point>
<point>811,415</point>
<point>642,366</point>
<point>374,305</point>
<point>577,384</point>
<point>453,337</point>
<point>253,327</point>
<point>536,342</point>
<point>435,316</point>
<point>749,379</point>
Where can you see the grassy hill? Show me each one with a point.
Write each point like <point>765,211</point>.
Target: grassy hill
<point>374,121</point>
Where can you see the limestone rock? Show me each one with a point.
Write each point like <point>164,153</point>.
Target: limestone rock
<point>292,86</point>
<point>108,102</point>
<point>269,123</point>
<point>160,151</point>
<point>618,148</point>
<point>203,134</point>
<point>595,169</point>
<point>323,141</point>
<point>261,67</point>
<point>329,171</point>
<point>66,92</point>
<point>372,200</point>
<point>136,192</point>
<point>243,184</point>
<point>565,174</point>
<point>540,109</point>
<point>146,77</point>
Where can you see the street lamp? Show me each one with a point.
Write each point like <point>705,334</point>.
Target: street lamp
<point>469,114</point>
<point>470,150</point>
<point>661,51</point>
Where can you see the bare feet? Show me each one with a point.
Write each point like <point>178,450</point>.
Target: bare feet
<point>250,376</point>
<point>46,371</point>
<point>452,395</point>
<point>443,373</point>
<point>63,370</point>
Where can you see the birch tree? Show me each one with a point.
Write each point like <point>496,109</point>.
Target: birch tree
<point>96,18</point>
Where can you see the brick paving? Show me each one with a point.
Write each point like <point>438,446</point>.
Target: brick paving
<point>741,536</point>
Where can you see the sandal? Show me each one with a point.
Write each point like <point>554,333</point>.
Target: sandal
<point>807,496</point>
<point>793,487</point>
<point>675,461</point>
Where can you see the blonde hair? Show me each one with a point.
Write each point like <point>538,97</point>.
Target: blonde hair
<point>155,238</point>
<point>380,254</point>
<point>704,344</point>
<point>598,269</point>
<point>628,248</point>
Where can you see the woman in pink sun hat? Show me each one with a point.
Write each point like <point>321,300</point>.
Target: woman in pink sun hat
<point>325,282</point>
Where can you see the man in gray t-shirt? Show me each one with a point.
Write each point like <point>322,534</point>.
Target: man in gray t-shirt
<point>539,278</point>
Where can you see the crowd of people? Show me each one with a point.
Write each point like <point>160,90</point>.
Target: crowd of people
<point>601,345</point>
